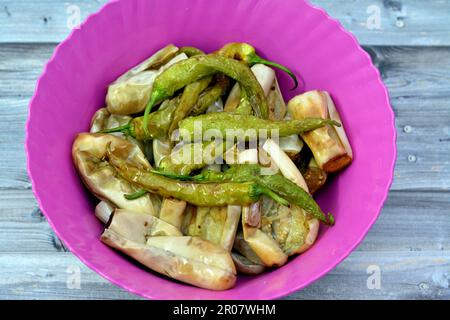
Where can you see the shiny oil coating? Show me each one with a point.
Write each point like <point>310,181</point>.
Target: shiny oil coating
<point>197,67</point>
<point>200,194</point>
<point>223,122</point>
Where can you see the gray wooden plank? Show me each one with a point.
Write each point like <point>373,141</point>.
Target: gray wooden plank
<point>401,22</point>
<point>23,228</point>
<point>408,275</point>
<point>410,244</point>
<point>409,221</point>
<point>414,275</point>
<point>417,78</point>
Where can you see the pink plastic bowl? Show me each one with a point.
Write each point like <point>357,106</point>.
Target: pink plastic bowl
<point>292,32</point>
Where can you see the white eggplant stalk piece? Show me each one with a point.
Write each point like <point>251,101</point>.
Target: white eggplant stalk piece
<point>216,106</point>
<point>99,120</point>
<point>187,259</point>
<point>241,246</point>
<point>230,227</point>
<point>172,211</point>
<point>154,62</point>
<point>130,93</point>
<point>291,145</point>
<point>277,105</point>
<point>313,226</point>
<point>104,210</point>
<point>284,163</point>
<point>329,144</point>
<point>215,224</point>
<point>266,248</point>
<point>249,156</point>
<point>291,227</point>
<point>88,153</point>
<point>103,120</point>
<point>138,227</point>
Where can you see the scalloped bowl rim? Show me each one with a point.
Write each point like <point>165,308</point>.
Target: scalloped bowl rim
<point>293,289</point>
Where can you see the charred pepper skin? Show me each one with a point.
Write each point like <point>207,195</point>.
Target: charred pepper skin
<point>247,53</point>
<point>188,100</point>
<point>278,184</point>
<point>200,194</point>
<point>223,122</point>
<point>193,69</point>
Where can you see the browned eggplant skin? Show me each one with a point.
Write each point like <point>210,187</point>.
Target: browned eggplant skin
<point>315,178</point>
<point>337,163</point>
<point>88,153</point>
<point>186,269</point>
<point>130,92</point>
<point>324,142</point>
<point>245,266</point>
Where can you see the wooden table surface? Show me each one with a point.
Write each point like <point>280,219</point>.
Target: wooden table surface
<point>408,247</point>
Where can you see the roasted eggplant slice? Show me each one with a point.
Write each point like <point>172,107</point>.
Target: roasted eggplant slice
<point>329,144</point>
<point>89,151</point>
<point>188,259</point>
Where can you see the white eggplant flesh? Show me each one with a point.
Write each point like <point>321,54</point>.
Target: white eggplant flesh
<point>329,144</point>
<point>104,210</point>
<point>139,227</point>
<point>334,115</point>
<point>266,248</point>
<point>88,153</point>
<point>291,145</point>
<point>277,105</point>
<point>284,163</point>
<point>187,259</point>
<point>130,93</point>
<point>249,156</point>
<point>172,211</point>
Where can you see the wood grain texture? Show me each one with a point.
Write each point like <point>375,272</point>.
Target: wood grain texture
<point>410,275</point>
<point>417,78</point>
<point>410,221</point>
<point>402,22</point>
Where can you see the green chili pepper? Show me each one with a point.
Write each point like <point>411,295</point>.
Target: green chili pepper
<point>246,53</point>
<point>158,124</point>
<point>228,123</point>
<point>200,194</point>
<point>190,51</point>
<point>190,70</point>
<point>278,184</point>
<point>191,157</point>
<point>244,108</point>
<point>188,100</point>
<point>211,95</point>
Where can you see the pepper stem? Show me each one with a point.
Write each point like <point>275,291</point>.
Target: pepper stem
<point>257,59</point>
<point>275,197</point>
<point>330,219</point>
<point>148,108</point>
<point>175,176</point>
<point>123,128</point>
<point>333,123</point>
<point>135,195</point>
